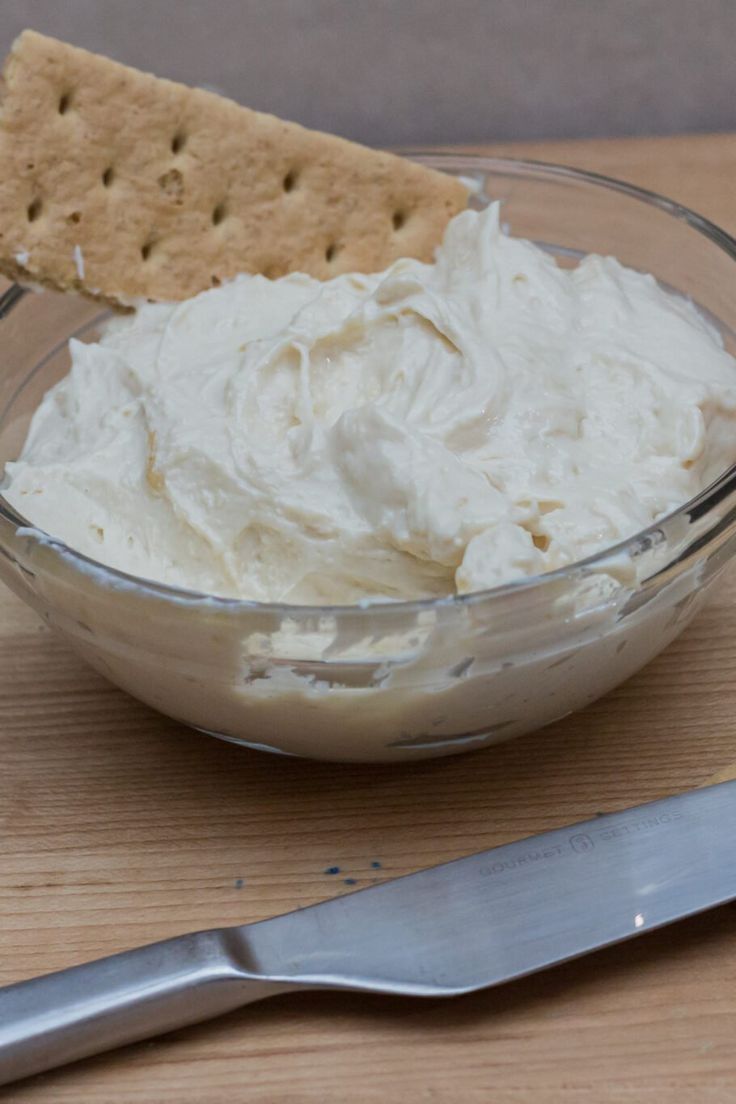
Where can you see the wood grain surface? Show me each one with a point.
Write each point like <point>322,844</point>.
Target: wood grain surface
<point>118,827</point>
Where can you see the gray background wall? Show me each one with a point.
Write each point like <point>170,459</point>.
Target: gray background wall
<point>415,71</point>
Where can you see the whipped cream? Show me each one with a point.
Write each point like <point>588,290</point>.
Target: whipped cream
<point>425,430</point>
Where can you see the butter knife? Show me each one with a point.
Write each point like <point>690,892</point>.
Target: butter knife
<point>445,931</point>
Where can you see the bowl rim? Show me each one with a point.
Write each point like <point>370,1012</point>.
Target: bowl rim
<point>608,557</point>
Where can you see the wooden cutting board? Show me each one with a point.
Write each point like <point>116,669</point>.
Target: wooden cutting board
<point>118,827</point>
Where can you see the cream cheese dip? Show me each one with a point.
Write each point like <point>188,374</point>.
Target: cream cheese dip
<point>427,430</point>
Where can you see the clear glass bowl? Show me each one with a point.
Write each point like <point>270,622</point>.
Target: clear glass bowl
<point>395,681</point>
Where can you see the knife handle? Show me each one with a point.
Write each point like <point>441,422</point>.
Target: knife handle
<point>61,1017</point>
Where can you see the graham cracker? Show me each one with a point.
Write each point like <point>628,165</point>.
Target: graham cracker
<point>122,185</point>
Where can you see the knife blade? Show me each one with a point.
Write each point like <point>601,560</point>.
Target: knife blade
<point>444,931</point>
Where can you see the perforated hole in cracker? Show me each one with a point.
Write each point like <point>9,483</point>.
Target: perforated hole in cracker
<point>171,184</point>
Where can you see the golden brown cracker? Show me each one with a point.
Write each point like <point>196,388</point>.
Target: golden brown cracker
<point>122,185</point>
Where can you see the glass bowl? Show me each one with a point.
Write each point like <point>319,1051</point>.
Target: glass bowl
<point>395,680</point>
